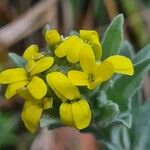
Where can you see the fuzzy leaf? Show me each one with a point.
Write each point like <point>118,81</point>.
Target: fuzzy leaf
<point>142,128</point>
<point>123,118</point>
<point>125,86</point>
<point>135,105</point>
<point>142,55</point>
<point>17,60</point>
<point>109,146</point>
<point>126,49</point>
<point>120,138</point>
<point>113,37</point>
<point>107,113</point>
<point>50,122</point>
<point>125,138</point>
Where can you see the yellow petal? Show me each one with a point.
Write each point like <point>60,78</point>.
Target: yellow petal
<point>93,85</point>
<point>87,59</point>
<point>103,71</point>
<point>78,78</point>
<point>121,64</point>
<point>37,87</point>
<point>52,37</point>
<point>31,115</point>
<point>97,49</point>
<point>70,47</point>
<point>88,34</point>
<point>91,36</point>
<point>73,53</point>
<point>30,64</point>
<point>24,93</point>
<point>62,85</point>
<point>42,65</point>
<point>12,88</point>
<point>74,49</point>
<point>66,115</point>
<point>38,56</point>
<point>81,114</point>
<point>59,94</point>
<point>13,75</point>
<point>47,103</point>
<point>30,52</point>
<point>44,103</point>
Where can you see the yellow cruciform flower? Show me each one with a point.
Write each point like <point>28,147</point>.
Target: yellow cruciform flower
<point>91,37</point>
<point>74,111</point>
<point>32,53</point>
<point>72,45</point>
<point>70,48</point>
<point>94,73</point>
<point>52,37</point>
<point>19,77</point>
<point>76,114</point>
<point>33,109</point>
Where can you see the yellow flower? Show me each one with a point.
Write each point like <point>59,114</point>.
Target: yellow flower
<point>94,73</point>
<point>33,109</point>
<point>32,53</point>
<point>52,37</point>
<point>91,37</point>
<point>72,45</point>
<point>19,77</point>
<point>74,111</point>
<point>76,114</point>
<point>70,48</point>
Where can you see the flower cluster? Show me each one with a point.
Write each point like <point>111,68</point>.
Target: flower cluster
<point>68,63</point>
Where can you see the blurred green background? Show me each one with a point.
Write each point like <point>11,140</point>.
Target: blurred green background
<point>22,23</point>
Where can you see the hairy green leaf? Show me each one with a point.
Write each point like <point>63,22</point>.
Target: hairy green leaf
<point>125,86</point>
<point>107,113</point>
<point>50,122</point>
<point>113,37</point>
<point>17,60</point>
<point>126,49</point>
<point>123,118</point>
<point>142,55</point>
<point>142,128</point>
<point>120,138</point>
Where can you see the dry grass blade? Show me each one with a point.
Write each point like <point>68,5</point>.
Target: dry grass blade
<point>37,16</point>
